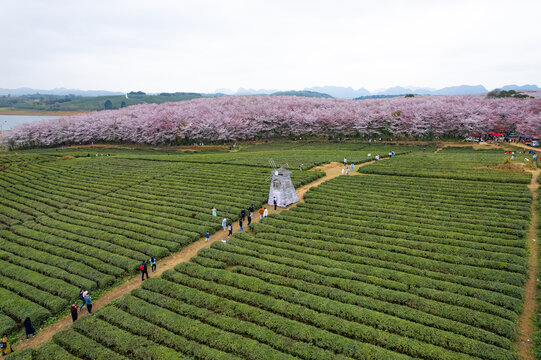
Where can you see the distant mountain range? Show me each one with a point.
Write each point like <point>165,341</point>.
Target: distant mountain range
<point>351,93</point>
<point>58,91</point>
<point>243,91</point>
<point>523,87</point>
<point>340,91</point>
<point>316,91</point>
<point>305,93</point>
<point>399,90</point>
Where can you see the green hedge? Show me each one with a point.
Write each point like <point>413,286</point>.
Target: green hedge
<point>83,347</point>
<point>288,327</point>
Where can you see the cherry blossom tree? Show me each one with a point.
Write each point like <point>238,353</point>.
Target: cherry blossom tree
<point>246,117</point>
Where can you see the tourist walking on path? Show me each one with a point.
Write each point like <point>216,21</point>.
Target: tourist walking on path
<point>207,235</point>
<point>144,270</point>
<point>224,224</point>
<point>347,171</point>
<point>240,225</point>
<point>251,210</point>
<point>230,228</point>
<point>351,166</point>
<point>345,161</point>
<point>300,167</point>
<point>342,171</point>
<point>5,346</point>
<point>265,213</point>
<point>73,310</point>
<point>275,203</point>
<point>81,297</point>
<point>377,157</point>
<point>88,302</point>
<point>213,211</point>
<point>249,218</point>
<point>243,214</point>
<point>261,211</point>
<point>28,328</point>
<point>152,262</point>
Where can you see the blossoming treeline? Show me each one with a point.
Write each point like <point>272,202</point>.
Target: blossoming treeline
<point>245,117</point>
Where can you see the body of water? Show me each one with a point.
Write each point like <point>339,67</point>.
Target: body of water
<point>8,122</point>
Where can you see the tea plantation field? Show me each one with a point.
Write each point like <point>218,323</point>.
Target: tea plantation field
<point>455,163</point>
<point>416,258</point>
<point>74,218</point>
<point>84,223</point>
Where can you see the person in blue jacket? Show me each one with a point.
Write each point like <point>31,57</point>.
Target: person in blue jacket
<point>88,302</point>
<point>82,298</point>
<point>28,328</point>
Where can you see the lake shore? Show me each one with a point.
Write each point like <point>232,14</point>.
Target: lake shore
<point>6,111</point>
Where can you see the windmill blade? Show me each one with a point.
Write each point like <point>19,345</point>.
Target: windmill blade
<point>286,165</point>
<point>272,163</point>
<point>269,178</point>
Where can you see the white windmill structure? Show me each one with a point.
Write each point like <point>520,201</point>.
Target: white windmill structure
<point>281,186</point>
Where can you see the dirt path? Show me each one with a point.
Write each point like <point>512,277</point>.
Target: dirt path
<point>524,342</point>
<point>194,148</point>
<point>332,170</point>
<point>474,145</point>
<point>521,145</point>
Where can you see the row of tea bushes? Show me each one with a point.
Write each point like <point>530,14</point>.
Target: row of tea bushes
<point>352,273</point>
<point>87,222</point>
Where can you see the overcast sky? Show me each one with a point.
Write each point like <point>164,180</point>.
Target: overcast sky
<point>202,46</point>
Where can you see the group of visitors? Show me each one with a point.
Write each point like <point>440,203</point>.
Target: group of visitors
<point>5,346</point>
<point>144,267</point>
<point>85,298</point>
<point>377,156</point>
<point>346,169</point>
<point>29,329</point>
<point>246,217</point>
<point>534,155</point>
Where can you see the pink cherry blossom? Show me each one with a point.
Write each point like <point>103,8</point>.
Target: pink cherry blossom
<point>245,117</point>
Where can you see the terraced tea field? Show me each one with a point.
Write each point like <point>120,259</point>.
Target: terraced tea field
<point>340,277</point>
<point>85,223</point>
<point>373,266</point>
<point>456,163</point>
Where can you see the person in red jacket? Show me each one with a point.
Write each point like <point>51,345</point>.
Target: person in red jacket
<point>144,270</point>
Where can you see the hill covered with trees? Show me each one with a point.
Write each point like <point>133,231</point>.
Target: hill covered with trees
<point>42,102</point>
